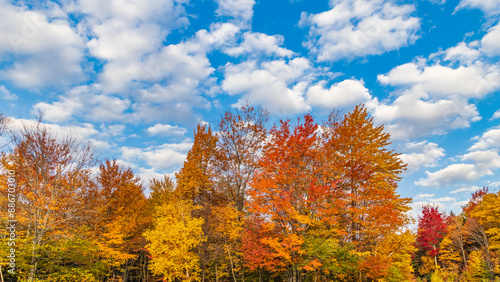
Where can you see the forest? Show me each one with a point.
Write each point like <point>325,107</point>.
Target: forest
<point>300,200</point>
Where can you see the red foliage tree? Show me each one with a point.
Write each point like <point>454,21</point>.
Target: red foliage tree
<point>476,197</point>
<point>431,230</point>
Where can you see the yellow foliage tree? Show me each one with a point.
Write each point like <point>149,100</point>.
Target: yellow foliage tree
<point>173,240</point>
<point>397,250</point>
<point>487,213</point>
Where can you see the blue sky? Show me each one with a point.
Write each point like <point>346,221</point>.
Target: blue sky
<point>136,76</point>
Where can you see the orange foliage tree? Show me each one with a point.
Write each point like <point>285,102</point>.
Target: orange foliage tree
<point>289,198</point>
<point>53,179</point>
<point>119,219</point>
<point>367,174</point>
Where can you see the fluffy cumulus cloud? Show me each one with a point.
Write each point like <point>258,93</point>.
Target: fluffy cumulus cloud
<point>489,139</point>
<point>278,85</point>
<point>411,115</point>
<point>496,115</point>
<point>451,174</point>
<point>80,132</point>
<point>475,165</point>
<point>481,160</point>
<point>343,94</point>
<point>256,43</point>
<point>491,41</point>
<point>443,81</point>
<point>489,7</point>
<point>468,189</point>
<point>6,94</point>
<point>465,53</point>
<point>164,158</point>
<point>432,95</point>
<point>166,130</point>
<point>87,102</point>
<point>180,74</point>
<point>47,50</point>
<point>177,75</point>
<point>122,33</point>
<point>240,11</point>
<point>422,154</point>
<point>359,28</point>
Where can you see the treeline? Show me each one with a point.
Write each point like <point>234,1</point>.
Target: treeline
<point>463,247</point>
<point>298,201</point>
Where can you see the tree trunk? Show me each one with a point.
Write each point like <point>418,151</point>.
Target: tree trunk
<point>216,274</point>
<point>34,263</point>
<point>231,260</point>
<point>435,259</point>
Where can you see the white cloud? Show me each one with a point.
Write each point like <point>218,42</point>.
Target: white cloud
<point>114,42</point>
<point>489,7</point>
<point>468,189</point>
<point>47,50</point>
<point>112,129</point>
<point>360,28</point>
<point>490,44</point>
<point>181,73</point>
<point>100,144</point>
<point>132,11</point>
<point>433,97</point>
<point>489,139</point>
<point>462,53</point>
<point>166,156</point>
<point>452,174</point>
<point>84,101</point>
<point>174,63</point>
<point>173,103</point>
<point>256,43</point>
<point>6,94</point>
<point>496,115</point>
<point>166,129</point>
<point>483,163</point>
<point>484,160</point>
<point>241,11</point>
<point>444,199</point>
<point>442,81</point>
<point>422,154</point>
<point>423,196</point>
<point>80,132</point>
<point>412,116</point>
<point>148,174</point>
<point>277,85</point>
<point>219,35</point>
<point>340,95</point>
<point>123,33</point>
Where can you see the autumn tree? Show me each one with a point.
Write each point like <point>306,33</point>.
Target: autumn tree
<point>356,155</point>
<point>290,197</point>
<point>196,183</point>
<point>457,233</point>
<point>119,218</point>
<point>195,178</point>
<point>173,241</point>
<point>53,180</point>
<point>431,230</point>
<point>475,199</point>
<point>241,137</point>
<point>161,191</point>
<point>4,124</point>
<point>485,227</point>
